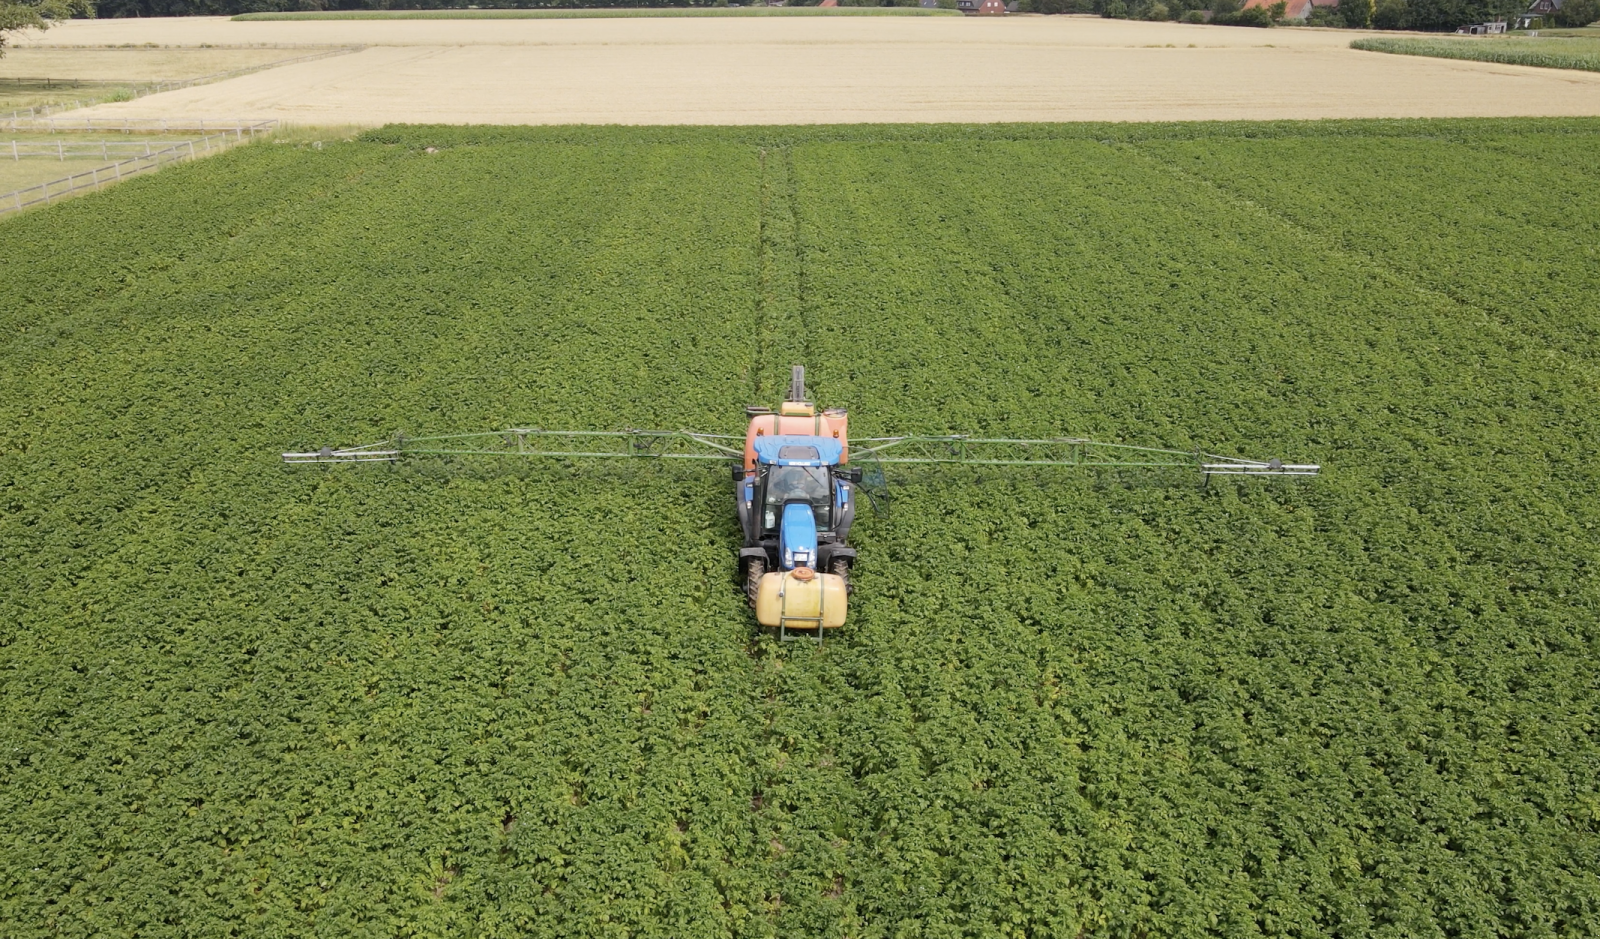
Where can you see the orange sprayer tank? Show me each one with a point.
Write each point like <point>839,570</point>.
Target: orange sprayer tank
<point>801,418</point>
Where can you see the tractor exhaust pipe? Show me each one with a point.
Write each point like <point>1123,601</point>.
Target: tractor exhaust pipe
<point>797,383</point>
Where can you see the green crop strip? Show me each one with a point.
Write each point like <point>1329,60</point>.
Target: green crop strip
<point>526,699</point>
<point>1554,52</point>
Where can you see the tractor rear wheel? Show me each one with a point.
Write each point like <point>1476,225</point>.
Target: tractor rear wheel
<point>753,569</point>
<point>841,566</point>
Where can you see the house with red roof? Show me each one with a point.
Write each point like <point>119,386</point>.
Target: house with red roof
<point>1294,9</point>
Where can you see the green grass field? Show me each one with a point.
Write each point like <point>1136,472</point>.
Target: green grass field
<point>1571,51</point>
<point>33,173</point>
<point>602,13</point>
<point>457,698</point>
<point>19,96</point>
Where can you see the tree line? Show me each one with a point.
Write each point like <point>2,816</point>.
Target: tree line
<point>1424,15</point>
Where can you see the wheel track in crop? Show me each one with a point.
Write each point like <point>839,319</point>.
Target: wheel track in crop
<point>781,325</point>
<point>780,340</point>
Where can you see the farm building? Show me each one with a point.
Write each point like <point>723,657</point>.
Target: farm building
<point>1295,9</point>
<point>1537,14</point>
<point>982,7</point>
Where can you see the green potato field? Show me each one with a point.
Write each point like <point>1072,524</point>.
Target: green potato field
<point>506,699</point>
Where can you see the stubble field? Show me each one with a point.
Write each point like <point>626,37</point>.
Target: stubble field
<point>806,70</point>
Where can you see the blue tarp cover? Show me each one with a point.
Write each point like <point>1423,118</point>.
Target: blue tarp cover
<point>828,449</point>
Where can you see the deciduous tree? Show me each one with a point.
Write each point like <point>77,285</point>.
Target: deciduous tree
<point>1357,14</point>
<point>37,14</point>
<point>1578,12</point>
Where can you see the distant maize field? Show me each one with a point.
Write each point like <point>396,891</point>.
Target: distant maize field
<point>1581,54</point>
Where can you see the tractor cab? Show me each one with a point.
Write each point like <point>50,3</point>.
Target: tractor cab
<point>797,505</point>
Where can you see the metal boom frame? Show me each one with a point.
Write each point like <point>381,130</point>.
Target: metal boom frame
<point>1064,451</point>
<point>690,445</point>
<point>533,441</point>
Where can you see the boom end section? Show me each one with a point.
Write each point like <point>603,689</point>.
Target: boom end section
<point>1224,466</point>
<point>373,453</point>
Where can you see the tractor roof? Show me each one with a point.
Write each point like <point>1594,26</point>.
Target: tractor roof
<point>797,450</point>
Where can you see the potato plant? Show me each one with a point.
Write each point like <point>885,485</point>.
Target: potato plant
<point>488,698</point>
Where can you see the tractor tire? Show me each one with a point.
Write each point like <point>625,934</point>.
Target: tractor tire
<point>753,569</point>
<point>841,566</point>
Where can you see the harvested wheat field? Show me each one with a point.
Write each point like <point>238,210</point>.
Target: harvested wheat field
<point>815,70</point>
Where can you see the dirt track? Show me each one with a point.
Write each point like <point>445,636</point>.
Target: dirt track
<point>814,70</point>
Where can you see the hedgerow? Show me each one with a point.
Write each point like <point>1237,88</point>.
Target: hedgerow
<point>577,11</point>
<point>454,698</point>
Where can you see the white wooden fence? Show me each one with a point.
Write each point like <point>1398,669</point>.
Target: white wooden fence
<point>135,125</point>
<point>49,83</point>
<point>45,193</point>
<point>62,151</point>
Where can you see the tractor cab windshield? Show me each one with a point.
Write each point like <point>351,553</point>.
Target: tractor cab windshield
<point>798,484</point>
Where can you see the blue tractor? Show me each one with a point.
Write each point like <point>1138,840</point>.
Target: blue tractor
<point>796,500</point>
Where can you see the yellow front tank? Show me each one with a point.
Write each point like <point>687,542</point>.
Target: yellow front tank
<point>801,599</point>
